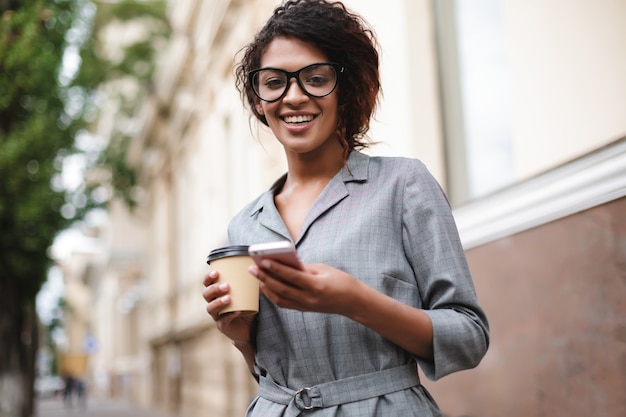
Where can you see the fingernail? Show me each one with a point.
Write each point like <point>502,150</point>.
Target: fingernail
<point>225,299</point>
<point>223,286</point>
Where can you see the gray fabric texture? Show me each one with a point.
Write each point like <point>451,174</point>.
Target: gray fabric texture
<point>386,221</point>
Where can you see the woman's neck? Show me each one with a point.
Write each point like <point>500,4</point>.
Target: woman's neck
<point>315,167</point>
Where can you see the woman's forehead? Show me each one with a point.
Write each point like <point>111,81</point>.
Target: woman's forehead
<point>290,54</point>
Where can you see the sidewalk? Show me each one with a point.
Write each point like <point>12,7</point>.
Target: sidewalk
<point>54,407</point>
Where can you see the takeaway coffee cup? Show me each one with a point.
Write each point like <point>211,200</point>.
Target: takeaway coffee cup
<point>233,262</point>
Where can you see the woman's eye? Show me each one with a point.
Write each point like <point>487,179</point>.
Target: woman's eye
<point>274,83</point>
<point>316,80</point>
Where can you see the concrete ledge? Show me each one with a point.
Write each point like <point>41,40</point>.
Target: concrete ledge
<point>589,181</point>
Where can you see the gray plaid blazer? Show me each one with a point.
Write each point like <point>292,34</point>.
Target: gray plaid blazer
<point>387,222</point>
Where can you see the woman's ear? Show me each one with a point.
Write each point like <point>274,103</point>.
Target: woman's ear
<point>259,108</point>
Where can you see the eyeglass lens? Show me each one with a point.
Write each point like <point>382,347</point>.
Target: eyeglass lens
<point>317,80</point>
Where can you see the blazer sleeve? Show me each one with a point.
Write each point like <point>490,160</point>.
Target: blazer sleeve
<point>433,246</point>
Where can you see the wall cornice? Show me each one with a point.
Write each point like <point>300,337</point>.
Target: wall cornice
<point>589,181</point>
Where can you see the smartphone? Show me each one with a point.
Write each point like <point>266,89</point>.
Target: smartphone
<point>282,251</point>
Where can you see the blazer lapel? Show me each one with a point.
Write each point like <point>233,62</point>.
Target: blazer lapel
<point>355,170</point>
<point>337,189</point>
<point>268,214</point>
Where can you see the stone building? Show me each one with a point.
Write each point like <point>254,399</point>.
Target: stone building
<point>519,110</point>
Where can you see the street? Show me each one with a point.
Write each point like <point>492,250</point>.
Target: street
<point>54,407</point>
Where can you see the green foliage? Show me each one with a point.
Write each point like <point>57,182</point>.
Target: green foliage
<point>33,129</point>
<point>46,104</point>
<point>43,108</point>
<point>123,177</point>
<point>134,62</point>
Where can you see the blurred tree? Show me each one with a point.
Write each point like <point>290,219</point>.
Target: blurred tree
<point>51,69</point>
<point>34,128</point>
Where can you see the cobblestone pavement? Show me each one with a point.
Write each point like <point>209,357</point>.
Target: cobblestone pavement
<point>54,407</point>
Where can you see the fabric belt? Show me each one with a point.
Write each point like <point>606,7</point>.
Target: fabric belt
<point>341,391</point>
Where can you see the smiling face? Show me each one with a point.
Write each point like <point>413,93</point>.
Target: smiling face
<point>301,123</point>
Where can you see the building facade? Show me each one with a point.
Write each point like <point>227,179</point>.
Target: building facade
<point>517,107</point>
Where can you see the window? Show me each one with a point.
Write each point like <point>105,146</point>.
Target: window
<point>474,76</point>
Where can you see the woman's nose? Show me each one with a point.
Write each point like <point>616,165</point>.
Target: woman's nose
<point>294,93</point>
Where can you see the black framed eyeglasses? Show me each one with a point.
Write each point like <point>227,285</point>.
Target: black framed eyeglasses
<point>316,80</point>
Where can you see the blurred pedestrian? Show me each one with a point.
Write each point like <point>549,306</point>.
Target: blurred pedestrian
<point>69,389</point>
<point>81,392</point>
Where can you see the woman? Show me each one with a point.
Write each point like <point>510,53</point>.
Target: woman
<point>385,282</point>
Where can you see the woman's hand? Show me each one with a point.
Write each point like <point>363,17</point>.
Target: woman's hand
<point>324,289</point>
<point>238,328</point>
<point>318,288</point>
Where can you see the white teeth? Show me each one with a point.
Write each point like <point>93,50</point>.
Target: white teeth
<point>298,119</point>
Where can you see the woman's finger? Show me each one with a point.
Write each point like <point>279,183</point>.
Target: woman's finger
<point>210,278</point>
<point>214,306</point>
<point>279,273</point>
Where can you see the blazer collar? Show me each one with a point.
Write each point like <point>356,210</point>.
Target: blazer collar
<point>355,170</point>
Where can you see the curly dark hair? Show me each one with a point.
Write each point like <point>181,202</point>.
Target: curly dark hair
<point>341,35</point>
